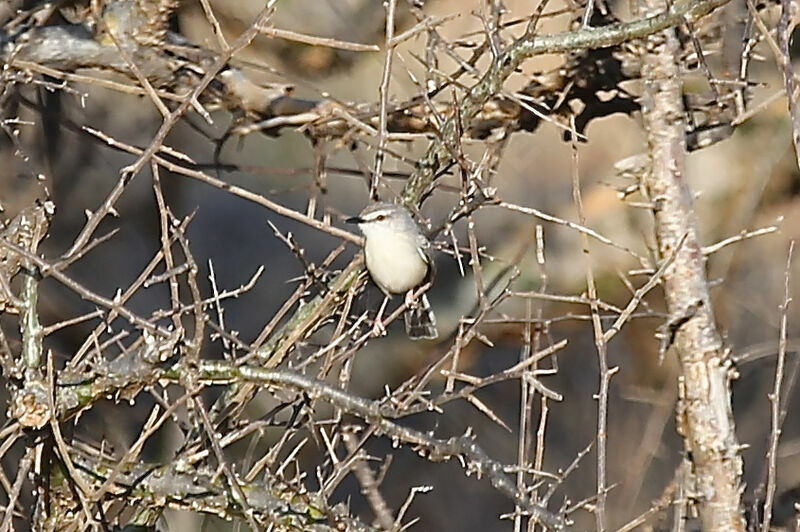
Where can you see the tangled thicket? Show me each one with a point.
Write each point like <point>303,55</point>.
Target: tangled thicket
<point>145,387</point>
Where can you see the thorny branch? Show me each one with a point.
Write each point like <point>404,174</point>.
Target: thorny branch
<point>131,47</point>
<point>706,418</point>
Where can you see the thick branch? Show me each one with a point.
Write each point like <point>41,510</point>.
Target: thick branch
<point>141,370</point>
<point>706,422</point>
<point>200,490</point>
<point>464,447</point>
<point>528,46</point>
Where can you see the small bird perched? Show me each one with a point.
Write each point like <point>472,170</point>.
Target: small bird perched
<point>397,256</point>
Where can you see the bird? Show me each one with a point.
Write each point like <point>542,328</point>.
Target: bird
<point>398,260</point>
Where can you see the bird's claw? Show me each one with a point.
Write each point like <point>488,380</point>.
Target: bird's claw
<point>378,329</point>
<point>411,301</point>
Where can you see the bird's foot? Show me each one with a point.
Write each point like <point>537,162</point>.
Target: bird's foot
<point>378,328</point>
<point>411,301</point>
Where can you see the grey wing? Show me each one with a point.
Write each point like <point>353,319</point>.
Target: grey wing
<point>425,250</point>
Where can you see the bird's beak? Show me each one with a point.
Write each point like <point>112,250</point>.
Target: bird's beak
<point>354,220</point>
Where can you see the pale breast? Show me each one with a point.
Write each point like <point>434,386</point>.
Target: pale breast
<point>395,264</point>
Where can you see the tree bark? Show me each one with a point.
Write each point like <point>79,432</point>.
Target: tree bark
<point>705,417</point>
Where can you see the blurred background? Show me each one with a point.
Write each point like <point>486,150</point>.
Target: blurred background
<point>745,182</point>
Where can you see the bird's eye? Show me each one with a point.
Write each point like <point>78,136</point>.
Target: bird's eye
<point>380,217</point>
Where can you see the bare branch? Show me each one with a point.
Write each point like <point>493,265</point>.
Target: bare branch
<point>706,421</point>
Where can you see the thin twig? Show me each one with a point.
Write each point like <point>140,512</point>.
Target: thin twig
<point>600,346</point>
<point>775,398</point>
<point>383,93</point>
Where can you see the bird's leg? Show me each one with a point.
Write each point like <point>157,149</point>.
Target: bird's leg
<point>411,301</point>
<point>377,326</point>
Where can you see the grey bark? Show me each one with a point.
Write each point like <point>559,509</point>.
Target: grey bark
<point>705,417</point>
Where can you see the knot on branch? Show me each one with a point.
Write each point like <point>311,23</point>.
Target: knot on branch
<point>30,405</point>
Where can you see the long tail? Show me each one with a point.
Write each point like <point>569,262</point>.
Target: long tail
<point>420,321</point>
